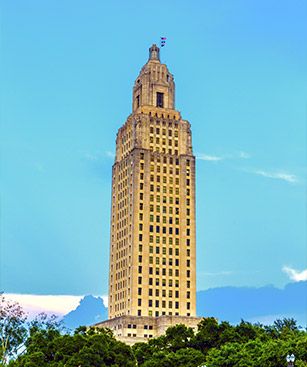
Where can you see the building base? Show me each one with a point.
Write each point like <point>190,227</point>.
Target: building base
<point>138,329</point>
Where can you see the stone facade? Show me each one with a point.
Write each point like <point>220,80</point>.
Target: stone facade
<point>135,329</point>
<point>152,246</point>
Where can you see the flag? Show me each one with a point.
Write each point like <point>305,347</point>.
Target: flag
<point>162,41</point>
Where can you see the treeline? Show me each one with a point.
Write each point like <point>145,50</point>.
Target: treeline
<point>44,343</point>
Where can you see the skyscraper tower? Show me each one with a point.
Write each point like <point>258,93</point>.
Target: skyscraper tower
<point>152,246</point>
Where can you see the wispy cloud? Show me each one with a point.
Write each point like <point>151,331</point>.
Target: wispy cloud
<point>59,305</point>
<point>98,155</point>
<point>215,274</point>
<point>110,154</point>
<point>217,158</point>
<point>244,155</point>
<point>278,175</point>
<point>207,157</point>
<point>294,274</point>
<point>91,157</point>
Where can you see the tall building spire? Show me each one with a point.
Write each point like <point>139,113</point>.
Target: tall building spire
<point>152,251</point>
<point>154,86</point>
<point>154,53</point>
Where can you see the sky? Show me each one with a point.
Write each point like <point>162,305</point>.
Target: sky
<point>67,72</point>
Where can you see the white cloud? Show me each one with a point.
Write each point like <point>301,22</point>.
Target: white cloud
<point>91,157</point>
<point>294,274</point>
<point>98,155</point>
<point>211,158</point>
<point>244,155</point>
<point>109,154</point>
<point>278,175</point>
<point>59,305</point>
<point>105,299</point>
<point>34,304</point>
<point>216,158</point>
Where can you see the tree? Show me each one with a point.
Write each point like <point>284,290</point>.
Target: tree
<point>87,348</point>
<point>13,331</point>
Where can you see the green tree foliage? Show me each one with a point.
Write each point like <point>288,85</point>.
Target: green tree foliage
<point>46,343</point>
<point>223,345</point>
<point>13,330</point>
<point>87,348</point>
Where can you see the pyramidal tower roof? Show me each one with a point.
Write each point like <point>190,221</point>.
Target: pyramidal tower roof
<point>154,86</point>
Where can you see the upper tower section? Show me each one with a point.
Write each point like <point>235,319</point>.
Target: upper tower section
<point>154,87</point>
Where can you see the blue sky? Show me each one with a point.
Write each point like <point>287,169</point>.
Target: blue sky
<point>68,69</point>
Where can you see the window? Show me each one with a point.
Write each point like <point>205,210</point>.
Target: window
<point>160,99</point>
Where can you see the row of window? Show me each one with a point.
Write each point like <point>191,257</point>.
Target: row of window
<point>164,250</point>
<point>164,159</point>
<point>156,303</point>
<point>145,335</point>
<point>163,283</point>
<point>163,142</point>
<point>163,131</point>
<point>171,241</point>
<point>164,293</point>
<point>133,326</point>
<point>165,220</point>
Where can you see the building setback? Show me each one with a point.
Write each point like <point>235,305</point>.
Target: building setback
<point>152,277</point>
